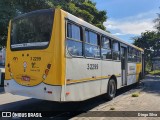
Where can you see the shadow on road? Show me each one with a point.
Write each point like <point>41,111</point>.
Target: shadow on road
<point>152,84</point>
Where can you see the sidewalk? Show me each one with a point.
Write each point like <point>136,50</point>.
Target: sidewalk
<point>148,100</point>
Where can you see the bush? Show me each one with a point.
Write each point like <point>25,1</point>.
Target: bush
<point>155,72</point>
<point>135,94</point>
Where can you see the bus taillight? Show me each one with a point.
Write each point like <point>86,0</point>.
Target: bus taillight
<point>8,65</point>
<point>49,66</point>
<point>46,71</point>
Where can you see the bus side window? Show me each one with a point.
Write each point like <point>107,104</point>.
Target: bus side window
<point>116,50</point>
<point>134,55</point>
<point>92,48</point>
<point>74,39</point>
<point>106,48</point>
<point>138,56</point>
<point>129,54</point>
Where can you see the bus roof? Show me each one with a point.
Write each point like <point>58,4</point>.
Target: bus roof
<point>88,25</point>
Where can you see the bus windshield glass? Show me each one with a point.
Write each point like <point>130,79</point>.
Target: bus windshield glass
<point>32,30</point>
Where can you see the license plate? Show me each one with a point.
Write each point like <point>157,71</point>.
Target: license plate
<point>26,78</point>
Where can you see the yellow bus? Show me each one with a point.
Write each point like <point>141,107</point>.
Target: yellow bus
<point>53,55</point>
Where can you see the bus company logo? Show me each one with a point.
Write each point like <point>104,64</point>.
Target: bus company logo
<point>33,64</point>
<point>6,114</point>
<point>15,59</point>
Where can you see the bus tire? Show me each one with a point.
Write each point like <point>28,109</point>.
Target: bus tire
<point>112,87</point>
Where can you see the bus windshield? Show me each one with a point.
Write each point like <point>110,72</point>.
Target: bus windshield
<point>32,30</point>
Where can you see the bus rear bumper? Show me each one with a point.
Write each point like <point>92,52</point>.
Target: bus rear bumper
<point>41,91</point>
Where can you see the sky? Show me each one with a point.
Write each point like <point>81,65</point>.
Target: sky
<point>129,18</point>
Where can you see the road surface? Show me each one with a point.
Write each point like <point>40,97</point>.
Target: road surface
<point>148,100</point>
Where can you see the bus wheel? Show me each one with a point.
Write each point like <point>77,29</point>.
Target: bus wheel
<point>111,89</point>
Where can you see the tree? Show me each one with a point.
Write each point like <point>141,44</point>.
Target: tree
<point>7,11</point>
<point>157,22</point>
<point>85,9</point>
<point>149,41</point>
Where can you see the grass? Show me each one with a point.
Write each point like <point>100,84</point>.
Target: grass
<point>112,108</point>
<point>135,95</point>
<point>155,72</point>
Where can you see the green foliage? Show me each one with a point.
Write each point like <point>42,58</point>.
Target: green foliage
<point>7,11</point>
<point>82,13</point>
<point>98,17</point>
<point>112,108</point>
<point>149,41</point>
<point>85,9</point>
<point>135,95</point>
<point>155,72</point>
<point>148,66</point>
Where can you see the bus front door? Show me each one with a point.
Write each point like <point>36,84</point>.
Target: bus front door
<point>124,65</point>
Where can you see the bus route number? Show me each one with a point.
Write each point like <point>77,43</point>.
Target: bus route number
<point>92,66</point>
<point>36,58</point>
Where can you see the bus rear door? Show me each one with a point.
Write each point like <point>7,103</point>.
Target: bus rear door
<point>124,65</point>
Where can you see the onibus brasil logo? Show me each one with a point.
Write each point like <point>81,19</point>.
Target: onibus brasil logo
<point>20,115</point>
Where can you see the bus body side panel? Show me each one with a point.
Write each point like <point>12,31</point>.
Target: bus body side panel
<point>110,68</point>
<point>58,47</point>
<point>131,78</point>
<point>143,65</point>
<point>57,77</point>
<point>138,70</point>
<point>82,82</point>
<point>7,74</point>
